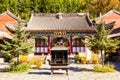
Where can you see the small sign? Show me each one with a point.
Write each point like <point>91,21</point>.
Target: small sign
<point>59,34</point>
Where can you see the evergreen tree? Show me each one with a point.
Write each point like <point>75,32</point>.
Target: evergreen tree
<point>18,45</point>
<point>101,42</point>
<point>103,6</point>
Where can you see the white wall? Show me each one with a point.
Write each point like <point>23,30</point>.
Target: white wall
<point>89,53</point>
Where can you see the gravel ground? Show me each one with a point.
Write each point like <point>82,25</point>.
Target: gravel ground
<point>76,72</point>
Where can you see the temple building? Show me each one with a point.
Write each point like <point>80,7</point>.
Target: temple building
<point>112,17</point>
<point>6,18</point>
<point>64,29</point>
<point>7,22</point>
<point>49,30</point>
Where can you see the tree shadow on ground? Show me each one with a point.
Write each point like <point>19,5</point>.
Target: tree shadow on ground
<point>40,71</point>
<point>115,63</point>
<point>46,71</point>
<point>40,68</point>
<point>58,73</point>
<point>76,69</point>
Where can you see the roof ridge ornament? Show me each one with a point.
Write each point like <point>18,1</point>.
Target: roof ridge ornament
<point>100,14</point>
<point>81,14</point>
<point>32,12</point>
<point>7,9</point>
<point>59,15</point>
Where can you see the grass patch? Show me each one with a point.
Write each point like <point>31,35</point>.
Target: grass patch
<point>104,69</point>
<point>23,67</point>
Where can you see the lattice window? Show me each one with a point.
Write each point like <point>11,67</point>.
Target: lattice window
<point>40,46</point>
<point>78,46</point>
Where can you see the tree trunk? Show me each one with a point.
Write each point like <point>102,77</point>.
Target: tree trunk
<point>103,57</point>
<point>18,59</point>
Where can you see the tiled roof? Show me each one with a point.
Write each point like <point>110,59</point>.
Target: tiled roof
<point>117,30</point>
<point>3,28</point>
<point>48,22</point>
<point>115,33</point>
<point>110,25</point>
<point>110,16</point>
<point>7,17</point>
<point>10,26</point>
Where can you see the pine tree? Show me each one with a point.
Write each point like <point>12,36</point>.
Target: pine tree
<point>101,42</point>
<point>18,45</point>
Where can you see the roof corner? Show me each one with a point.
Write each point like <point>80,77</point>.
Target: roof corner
<point>88,19</point>
<point>10,14</point>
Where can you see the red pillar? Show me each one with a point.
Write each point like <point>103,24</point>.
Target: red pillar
<point>48,44</point>
<point>70,44</point>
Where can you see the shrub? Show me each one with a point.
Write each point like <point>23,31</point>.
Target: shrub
<point>23,67</point>
<point>38,61</point>
<point>107,57</point>
<point>83,60</point>
<point>23,58</point>
<point>77,57</point>
<point>95,58</point>
<point>103,69</point>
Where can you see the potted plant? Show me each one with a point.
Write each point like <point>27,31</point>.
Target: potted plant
<point>83,60</point>
<point>95,59</point>
<point>77,58</point>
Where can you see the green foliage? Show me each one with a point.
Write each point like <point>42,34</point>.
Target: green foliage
<point>107,57</point>
<point>23,67</point>
<point>24,7</point>
<point>101,41</point>
<point>104,69</point>
<point>80,58</point>
<point>77,57</point>
<point>23,58</point>
<point>102,6</point>
<point>83,60</point>
<point>38,61</point>
<point>18,45</point>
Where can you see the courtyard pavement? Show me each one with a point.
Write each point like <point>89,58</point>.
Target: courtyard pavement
<point>76,72</point>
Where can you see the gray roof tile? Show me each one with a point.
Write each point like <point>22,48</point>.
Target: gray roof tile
<point>42,21</point>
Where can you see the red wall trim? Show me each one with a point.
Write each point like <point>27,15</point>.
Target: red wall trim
<point>49,45</point>
<point>70,44</point>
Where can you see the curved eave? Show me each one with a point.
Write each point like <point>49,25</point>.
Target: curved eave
<point>114,35</point>
<point>5,35</point>
<point>9,26</point>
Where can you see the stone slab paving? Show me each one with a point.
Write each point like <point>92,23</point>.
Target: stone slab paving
<point>76,72</point>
